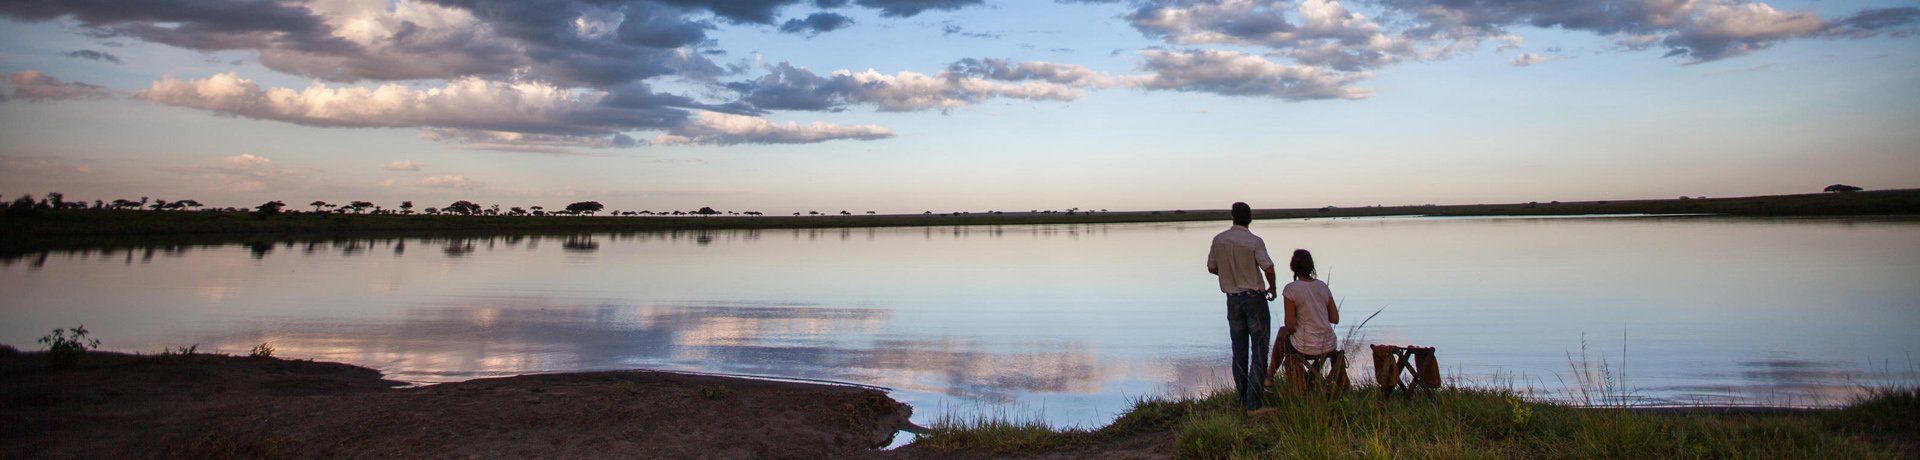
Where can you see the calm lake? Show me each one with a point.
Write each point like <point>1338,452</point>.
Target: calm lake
<point>1061,322</point>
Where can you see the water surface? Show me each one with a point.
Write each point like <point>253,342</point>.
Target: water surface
<point>1065,322</point>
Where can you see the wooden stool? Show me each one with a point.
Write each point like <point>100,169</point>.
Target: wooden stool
<point>1390,361</point>
<point>1305,372</point>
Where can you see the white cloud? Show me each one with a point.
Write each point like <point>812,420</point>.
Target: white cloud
<point>450,182</point>
<point>1526,59</point>
<point>713,128</point>
<point>1235,73</point>
<point>525,105</point>
<point>967,82</point>
<point>1718,30</point>
<point>404,165</point>
<point>248,161</point>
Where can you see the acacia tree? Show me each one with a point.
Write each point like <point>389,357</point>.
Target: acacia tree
<point>317,204</point>
<point>1842,188</point>
<point>266,209</point>
<point>406,207</point>
<point>462,207</point>
<point>706,211</point>
<point>359,206</point>
<point>585,207</point>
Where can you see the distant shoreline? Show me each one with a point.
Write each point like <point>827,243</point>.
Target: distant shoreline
<point>75,229</point>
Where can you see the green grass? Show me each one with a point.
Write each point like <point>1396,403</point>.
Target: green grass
<point>1461,423</point>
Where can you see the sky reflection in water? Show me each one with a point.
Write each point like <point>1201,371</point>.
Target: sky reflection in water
<point>1065,322</point>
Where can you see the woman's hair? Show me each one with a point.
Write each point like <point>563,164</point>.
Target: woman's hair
<point>1302,264</point>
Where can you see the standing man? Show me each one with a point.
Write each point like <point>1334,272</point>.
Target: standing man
<point>1239,258</point>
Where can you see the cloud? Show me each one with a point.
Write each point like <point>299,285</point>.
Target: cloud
<point>449,182</point>
<point>955,29</point>
<point>467,103</point>
<point>1526,59</point>
<point>507,141</point>
<point>1235,73</point>
<point>94,55</point>
<point>404,165</point>
<point>967,82</point>
<point>816,23</point>
<point>247,161</point>
<point>34,86</point>
<point>1870,23</point>
<point>910,8</point>
<point>1720,30</point>
<point>714,128</point>
<point>1326,33</point>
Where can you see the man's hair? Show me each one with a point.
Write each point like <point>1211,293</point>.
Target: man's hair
<point>1242,214</point>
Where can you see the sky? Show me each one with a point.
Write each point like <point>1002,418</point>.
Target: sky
<point>905,106</point>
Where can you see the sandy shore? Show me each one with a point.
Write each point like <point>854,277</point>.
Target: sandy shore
<point>132,406</point>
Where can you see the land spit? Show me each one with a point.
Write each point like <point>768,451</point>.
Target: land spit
<point>117,405</point>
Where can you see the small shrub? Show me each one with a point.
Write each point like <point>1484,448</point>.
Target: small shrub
<point>1521,413</point>
<point>713,392</point>
<point>64,347</point>
<point>263,350</point>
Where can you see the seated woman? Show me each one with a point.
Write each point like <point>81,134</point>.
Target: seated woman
<point>1310,315</point>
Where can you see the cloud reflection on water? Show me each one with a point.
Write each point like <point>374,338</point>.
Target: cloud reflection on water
<point>506,336</point>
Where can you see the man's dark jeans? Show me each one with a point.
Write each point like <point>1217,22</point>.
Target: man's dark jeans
<point>1248,321</point>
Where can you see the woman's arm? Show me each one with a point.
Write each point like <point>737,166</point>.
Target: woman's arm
<point>1333,312</point>
<point>1289,320</point>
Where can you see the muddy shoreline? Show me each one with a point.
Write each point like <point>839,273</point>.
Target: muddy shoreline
<point>116,405</point>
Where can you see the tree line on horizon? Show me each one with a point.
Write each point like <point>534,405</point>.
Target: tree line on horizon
<point>56,200</point>
<point>28,204</point>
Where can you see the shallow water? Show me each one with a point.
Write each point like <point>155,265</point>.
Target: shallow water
<point>1061,322</point>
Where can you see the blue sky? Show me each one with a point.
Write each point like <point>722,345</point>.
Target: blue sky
<point>969,105</point>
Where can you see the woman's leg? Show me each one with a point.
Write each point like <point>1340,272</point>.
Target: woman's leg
<point>1281,343</point>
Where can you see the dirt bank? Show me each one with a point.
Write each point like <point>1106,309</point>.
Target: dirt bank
<point>199,406</point>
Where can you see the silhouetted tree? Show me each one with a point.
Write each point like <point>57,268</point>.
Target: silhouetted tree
<point>462,207</point>
<point>406,207</point>
<point>359,206</point>
<point>22,206</point>
<point>869,213</point>
<point>515,211</point>
<point>159,204</point>
<point>1841,188</point>
<point>845,213</point>
<point>57,199</point>
<point>706,211</point>
<point>267,209</point>
<point>586,207</point>
<point>317,204</point>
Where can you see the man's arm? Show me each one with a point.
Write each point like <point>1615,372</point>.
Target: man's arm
<point>1213,265</point>
<point>1273,288</point>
